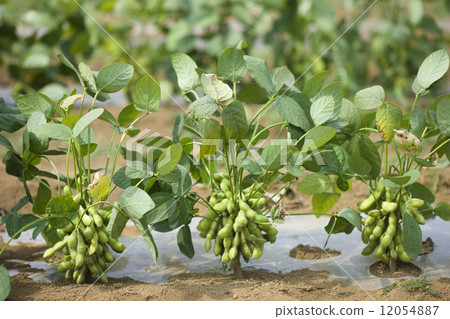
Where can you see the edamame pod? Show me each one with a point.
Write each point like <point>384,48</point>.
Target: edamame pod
<point>94,244</point>
<point>67,190</point>
<point>417,202</point>
<point>107,254</point>
<point>204,225</point>
<point>77,199</point>
<point>258,251</point>
<point>370,247</point>
<point>116,245</point>
<point>81,251</point>
<point>102,237</point>
<point>403,256</point>
<point>389,207</point>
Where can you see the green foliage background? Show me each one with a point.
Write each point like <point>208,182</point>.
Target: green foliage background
<point>385,44</point>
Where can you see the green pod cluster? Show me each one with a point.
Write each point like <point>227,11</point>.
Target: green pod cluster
<point>234,224</point>
<point>382,228</point>
<point>85,247</point>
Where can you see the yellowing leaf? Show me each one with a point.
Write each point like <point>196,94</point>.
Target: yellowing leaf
<point>99,187</point>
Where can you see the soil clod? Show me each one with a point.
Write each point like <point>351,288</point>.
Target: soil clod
<point>309,253</point>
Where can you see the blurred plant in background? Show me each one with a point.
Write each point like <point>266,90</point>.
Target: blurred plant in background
<point>386,43</point>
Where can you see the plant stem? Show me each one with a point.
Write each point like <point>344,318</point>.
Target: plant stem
<point>437,148</point>
<point>82,100</point>
<point>328,238</point>
<point>27,190</point>
<point>386,163</point>
<point>57,173</point>
<point>262,109</point>
<point>122,138</point>
<point>67,166</point>
<point>110,151</point>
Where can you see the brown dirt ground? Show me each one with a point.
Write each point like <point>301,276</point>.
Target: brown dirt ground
<point>302,284</point>
<point>309,253</point>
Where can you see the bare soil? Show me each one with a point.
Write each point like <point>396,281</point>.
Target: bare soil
<point>302,284</point>
<point>309,253</point>
<point>382,270</point>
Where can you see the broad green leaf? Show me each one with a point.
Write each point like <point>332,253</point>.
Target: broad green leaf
<point>108,117</point>
<point>211,137</point>
<point>87,76</point>
<point>61,211</point>
<point>314,183</point>
<point>20,204</point>
<point>363,147</point>
<point>432,69</point>
<point>418,122</point>
<point>405,180</point>
<point>165,206</point>
<point>389,118</point>
<point>27,104</point>
<point>234,121</point>
<point>203,107</point>
<point>317,137</point>
<point>315,83</point>
<point>442,209</point>
<point>253,93</point>
<point>121,179</point>
<point>43,196</point>
<point>276,154</point>
<point>282,76</point>
<point>5,283</point>
<point>369,119</point>
<point>338,225</point>
<point>443,116</point>
<point>99,187</point>
<point>15,222</point>
<point>185,67</point>
<point>86,120</point>
<point>11,119</point>
<point>292,112</point>
<point>351,113</point>
<point>147,94</point>
<point>323,202</point>
<point>352,216</point>
<point>67,63</point>
<point>370,98</point>
<point>117,222</point>
<point>4,142</point>
<point>184,240</point>
<point>139,170</point>
<point>38,143</point>
<point>336,158</point>
<point>178,127</point>
<point>260,73</point>
<point>127,115</point>
<point>232,65</point>
<point>145,233</point>
<point>293,165</point>
<point>412,236</point>
<point>169,159</point>
<point>114,77</point>
<point>322,109</point>
<point>135,202</point>
<point>216,89</point>
<point>335,90</point>
<point>70,120</point>
<point>55,131</point>
<point>419,190</point>
<point>416,11</point>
